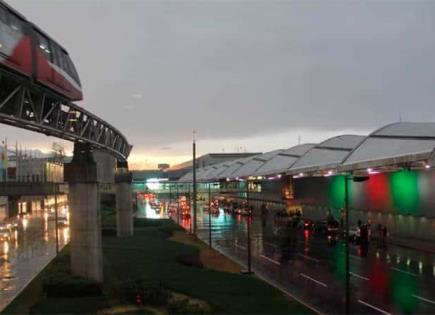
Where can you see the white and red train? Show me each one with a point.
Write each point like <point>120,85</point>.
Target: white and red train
<point>29,52</point>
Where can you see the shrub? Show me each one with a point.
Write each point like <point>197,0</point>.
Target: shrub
<point>62,284</point>
<point>147,222</point>
<point>145,293</point>
<point>192,260</point>
<point>183,306</point>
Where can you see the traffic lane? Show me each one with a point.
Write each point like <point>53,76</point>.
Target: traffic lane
<point>25,255</point>
<point>293,272</point>
<point>294,275</point>
<point>375,275</point>
<point>144,210</point>
<point>355,275</point>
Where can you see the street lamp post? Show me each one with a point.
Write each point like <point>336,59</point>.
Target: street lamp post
<point>209,214</point>
<point>248,227</point>
<point>346,235</point>
<point>56,219</point>
<point>194,183</point>
<point>189,199</point>
<point>178,204</point>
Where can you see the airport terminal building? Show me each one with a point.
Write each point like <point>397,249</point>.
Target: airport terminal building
<point>390,178</point>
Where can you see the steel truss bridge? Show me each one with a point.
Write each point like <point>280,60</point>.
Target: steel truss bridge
<point>29,106</point>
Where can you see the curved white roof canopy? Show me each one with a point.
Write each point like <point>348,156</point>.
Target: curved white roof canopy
<point>397,143</point>
<point>251,166</point>
<point>283,160</point>
<point>326,155</point>
<point>392,145</point>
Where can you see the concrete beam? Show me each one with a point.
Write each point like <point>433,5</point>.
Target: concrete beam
<point>84,204</point>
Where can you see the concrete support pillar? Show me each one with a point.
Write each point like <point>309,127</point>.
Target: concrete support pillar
<point>85,220</point>
<point>12,206</point>
<point>124,211</point>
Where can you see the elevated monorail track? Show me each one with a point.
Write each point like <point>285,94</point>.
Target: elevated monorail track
<point>29,106</point>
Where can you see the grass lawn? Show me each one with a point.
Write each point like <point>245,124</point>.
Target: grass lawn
<point>152,255</point>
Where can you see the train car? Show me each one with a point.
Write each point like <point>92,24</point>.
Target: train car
<point>28,51</point>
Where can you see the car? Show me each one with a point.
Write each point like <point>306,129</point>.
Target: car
<point>62,221</point>
<point>5,234</point>
<point>332,230</point>
<point>320,226</point>
<point>12,226</point>
<point>307,224</point>
<point>354,234</point>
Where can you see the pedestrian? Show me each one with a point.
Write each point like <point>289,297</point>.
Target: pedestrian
<point>379,234</point>
<point>384,236</point>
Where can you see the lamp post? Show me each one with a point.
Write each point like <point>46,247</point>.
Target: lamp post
<point>248,228</point>
<point>209,214</point>
<point>194,182</point>
<point>178,204</point>
<point>346,235</point>
<point>56,218</point>
<point>189,202</point>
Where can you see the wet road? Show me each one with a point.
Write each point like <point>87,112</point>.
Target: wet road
<point>31,247</point>
<point>392,281</point>
<point>145,210</point>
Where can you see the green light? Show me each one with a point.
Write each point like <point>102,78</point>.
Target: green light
<point>336,193</point>
<point>339,261</point>
<point>405,192</point>
<point>404,289</point>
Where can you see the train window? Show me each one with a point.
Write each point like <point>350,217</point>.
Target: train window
<point>2,15</point>
<point>15,23</point>
<point>44,45</point>
<point>72,69</point>
<point>65,65</point>
<point>56,54</point>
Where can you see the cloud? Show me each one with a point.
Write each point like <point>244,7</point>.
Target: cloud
<point>238,71</point>
<point>137,96</point>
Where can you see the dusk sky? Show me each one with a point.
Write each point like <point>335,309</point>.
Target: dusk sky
<point>247,75</point>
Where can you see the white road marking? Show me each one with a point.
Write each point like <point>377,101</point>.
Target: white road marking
<point>314,280</point>
<point>354,256</point>
<point>271,260</point>
<point>240,246</point>
<point>309,258</point>
<point>270,244</point>
<point>404,271</point>
<point>358,276</point>
<point>374,307</point>
<point>423,299</point>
